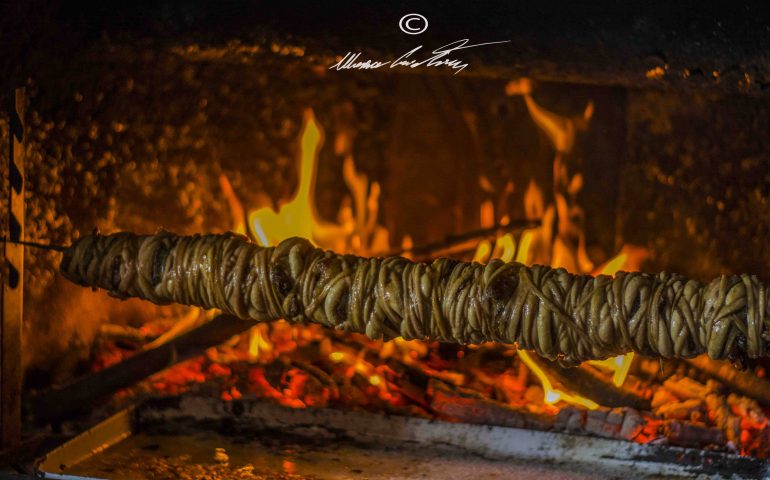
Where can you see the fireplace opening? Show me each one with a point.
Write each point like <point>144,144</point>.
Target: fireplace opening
<point>598,146</point>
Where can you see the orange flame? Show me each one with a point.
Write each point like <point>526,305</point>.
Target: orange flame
<point>356,230</point>
<point>554,395</point>
<point>258,343</point>
<point>236,208</point>
<point>298,216</point>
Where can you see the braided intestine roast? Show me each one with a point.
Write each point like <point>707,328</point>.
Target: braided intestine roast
<point>557,314</point>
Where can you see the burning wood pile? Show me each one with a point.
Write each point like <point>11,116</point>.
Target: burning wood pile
<point>489,384</point>
<point>685,401</point>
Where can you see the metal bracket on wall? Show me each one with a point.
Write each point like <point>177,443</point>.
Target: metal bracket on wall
<point>11,298</point>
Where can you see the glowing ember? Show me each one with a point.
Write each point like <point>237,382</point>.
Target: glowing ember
<point>337,356</point>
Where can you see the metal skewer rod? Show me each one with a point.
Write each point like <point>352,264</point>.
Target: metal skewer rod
<point>470,236</point>
<point>42,246</point>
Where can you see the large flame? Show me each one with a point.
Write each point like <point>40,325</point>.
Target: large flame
<point>297,217</point>
<point>356,230</point>
<point>558,243</point>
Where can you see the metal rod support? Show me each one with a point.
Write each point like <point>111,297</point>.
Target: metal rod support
<point>42,246</point>
<point>12,298</point>
<point>81,395</point>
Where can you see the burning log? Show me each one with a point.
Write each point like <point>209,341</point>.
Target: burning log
<point>683,410</point>
<point>653,369</point>
<point>124,333</point>
<point>559,315</point>
<point>59,402</point>
<point>691,435</point>
<point>587,380</point>
<point>723,417</point>
<point>621,423</point>
<point>742,382</point>
<point>662,397</point>
<point>469,408</point>
<point>685,388</point>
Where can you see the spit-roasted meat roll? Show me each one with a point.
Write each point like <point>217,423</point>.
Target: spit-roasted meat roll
<point>557,314</point>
